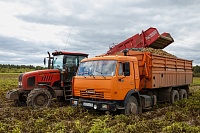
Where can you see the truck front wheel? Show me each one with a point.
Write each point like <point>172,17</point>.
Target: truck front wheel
<point>39,98</point>
<point>132,106</point>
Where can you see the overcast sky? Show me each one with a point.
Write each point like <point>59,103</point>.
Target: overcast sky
<point>28,29</point>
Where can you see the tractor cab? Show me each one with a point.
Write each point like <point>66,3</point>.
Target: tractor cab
<point>67,63</point>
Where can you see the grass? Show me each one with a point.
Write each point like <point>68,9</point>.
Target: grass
<point>196,81</point>
<point>183,116</point>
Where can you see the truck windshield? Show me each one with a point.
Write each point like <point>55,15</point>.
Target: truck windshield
<point>58,62</point>
<point>97,68</point>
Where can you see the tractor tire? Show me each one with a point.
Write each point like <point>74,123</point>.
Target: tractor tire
<point>174,96</point>
<point>183,94</point>
<point>132,106</point>
<point>39,98</point>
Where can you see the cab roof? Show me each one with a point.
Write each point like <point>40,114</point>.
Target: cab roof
<point>111,57</point>
<point>68,53</point>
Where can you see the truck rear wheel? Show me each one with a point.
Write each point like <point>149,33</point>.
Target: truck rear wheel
<point>39,98</point>
<point>182,94</point>
<point>174,96</point>
<point>131,106</point>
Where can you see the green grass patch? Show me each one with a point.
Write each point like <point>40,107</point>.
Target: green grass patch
<point>9,73</point>
<point>196,81</point>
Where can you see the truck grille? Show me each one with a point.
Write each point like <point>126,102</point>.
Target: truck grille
<point>91,93</point>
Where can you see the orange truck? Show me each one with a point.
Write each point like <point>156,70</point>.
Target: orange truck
<point>128,80</point>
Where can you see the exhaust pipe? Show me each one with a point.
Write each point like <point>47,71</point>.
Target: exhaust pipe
<point>49,61</point>
<point>125,51</point>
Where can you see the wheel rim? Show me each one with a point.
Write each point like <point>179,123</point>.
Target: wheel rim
<point>41,100</point>
<point>133,108</point>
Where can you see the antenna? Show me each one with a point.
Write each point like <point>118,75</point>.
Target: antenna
<point>68,37</point>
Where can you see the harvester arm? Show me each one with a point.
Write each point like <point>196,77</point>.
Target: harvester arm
<point>149,38</point>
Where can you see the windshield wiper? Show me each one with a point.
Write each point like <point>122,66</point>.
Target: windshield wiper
<point>92,75</point>
<point>82,74</point>
<point>101,74</point>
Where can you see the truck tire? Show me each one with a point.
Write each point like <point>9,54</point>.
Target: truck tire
<point>182,94</point>
<point>174,96</point>
<point>39,98</point>
<point>132,106</point>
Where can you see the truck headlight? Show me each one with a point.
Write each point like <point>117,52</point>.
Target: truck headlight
<point>74,102</point>
<point>95,106</point>
<point>105,106</point>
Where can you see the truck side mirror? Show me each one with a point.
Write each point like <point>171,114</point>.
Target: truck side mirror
<point>127,69</point>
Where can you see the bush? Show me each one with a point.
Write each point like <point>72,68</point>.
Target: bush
<point>196,74</point>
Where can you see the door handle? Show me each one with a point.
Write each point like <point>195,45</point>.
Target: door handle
<point>121,80</point>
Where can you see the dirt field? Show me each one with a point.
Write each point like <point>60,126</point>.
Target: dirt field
<point>183,116</point>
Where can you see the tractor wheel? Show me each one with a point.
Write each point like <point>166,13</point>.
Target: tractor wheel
<point>174,96</point>
<point>182,94</point>
<point>39,98</point>
<point>132,106</point>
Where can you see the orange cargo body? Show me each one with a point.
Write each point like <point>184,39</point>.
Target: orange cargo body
<point>158,71</point>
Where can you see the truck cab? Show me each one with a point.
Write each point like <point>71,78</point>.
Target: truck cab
<point>105,83</point>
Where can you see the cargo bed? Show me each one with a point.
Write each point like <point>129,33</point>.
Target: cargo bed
<point>157,71</point>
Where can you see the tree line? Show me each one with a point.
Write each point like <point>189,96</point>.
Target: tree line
<point>9,68</point>
<point>196,71</point>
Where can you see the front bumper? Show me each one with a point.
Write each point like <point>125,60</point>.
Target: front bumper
<point>96,105</point>
<point>12,94</point>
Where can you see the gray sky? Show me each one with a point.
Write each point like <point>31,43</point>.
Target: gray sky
<point>28,29</point>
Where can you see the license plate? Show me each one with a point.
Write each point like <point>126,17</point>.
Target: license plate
<point>88,104</point>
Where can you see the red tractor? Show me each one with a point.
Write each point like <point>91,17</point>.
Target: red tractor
<point>38,88</point>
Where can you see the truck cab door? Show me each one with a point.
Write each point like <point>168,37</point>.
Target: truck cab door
<point>125,78</point>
